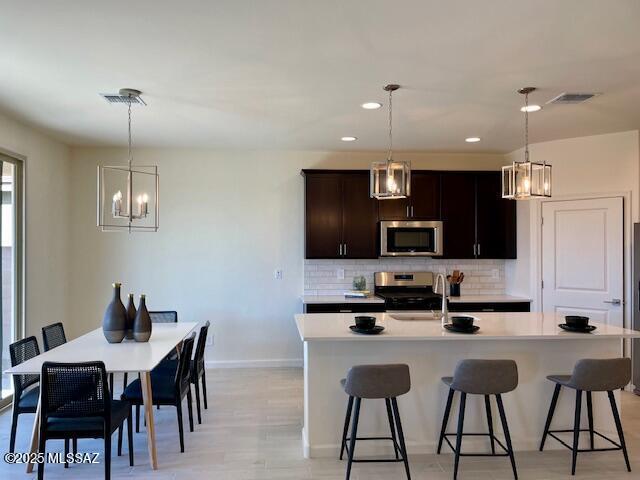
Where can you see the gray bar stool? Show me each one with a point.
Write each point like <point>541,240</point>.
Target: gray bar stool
<point>480,377</point>
<point>590,375</point>
<point>375,382</point>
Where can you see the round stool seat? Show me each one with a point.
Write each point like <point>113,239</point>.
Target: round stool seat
<point>377,381</point>
<point>484,377</point>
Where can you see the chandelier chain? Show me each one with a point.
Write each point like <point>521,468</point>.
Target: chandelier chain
<point>390,125</point>
<point>526,127</point>
<point>129,126</point>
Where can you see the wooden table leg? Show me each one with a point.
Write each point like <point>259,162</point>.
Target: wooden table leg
<point>147,399</point>
<point>35,437</point>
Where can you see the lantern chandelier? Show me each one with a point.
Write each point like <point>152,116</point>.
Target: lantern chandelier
<point>390,179</point>
<point>128,211</point>
<point>527,179</point>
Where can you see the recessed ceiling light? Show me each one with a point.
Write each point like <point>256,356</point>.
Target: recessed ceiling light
<point>472,139</point>
<point>371,105</point>
<point>349,139</point>
<point>531,108</point>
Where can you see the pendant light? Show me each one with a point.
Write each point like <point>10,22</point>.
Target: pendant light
<point>527,179</point>
<point>390,179</point>
<point>128,195</point>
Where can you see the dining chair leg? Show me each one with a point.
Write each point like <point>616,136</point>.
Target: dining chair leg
<point>137,418</point>
<point>180,428</point>
<point>42,450</point>
<point>120,440</point>
<point>487,407</point>
<point>204,389</point>
<point>403,446</point>
<point>507,435</point>
<point>445,419</point>
<point>190,408</point>
<point>456,463</point>
<point>197,401</point>
<point>14,428</point>
<point>111,383</point>
<point>590,418</point>
<point>354,433</point>
<point>552,409</point>
<point>345,429</point>
<point>392,427</point>
<point>616,417</point>
<point>75,445</point>
<point>125,379</point>
<point>66,452</point>
<point>130,436</point>
<point>107,454</point>
<point>576,431</point>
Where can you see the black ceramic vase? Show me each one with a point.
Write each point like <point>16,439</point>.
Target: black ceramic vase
<point>114,323</point>
<point>131,316</point>
<point>142,323</point>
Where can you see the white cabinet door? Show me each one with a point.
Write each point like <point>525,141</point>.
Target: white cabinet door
<point>582,258</point>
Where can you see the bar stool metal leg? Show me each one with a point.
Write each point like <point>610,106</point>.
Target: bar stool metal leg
<point>507,435</point>
<point>576,431</point>
<point>616,417</point>
<point>445,419</point>
<point>354,434</point>
<point>552,409</point>
<point>346,426</point>
<point>487,406</point>
<point>463,401</point>
<point>590,417</point>
<point>392,427</point>
<point>405,458</point>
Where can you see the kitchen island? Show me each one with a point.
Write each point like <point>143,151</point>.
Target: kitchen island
<point>533,340</point>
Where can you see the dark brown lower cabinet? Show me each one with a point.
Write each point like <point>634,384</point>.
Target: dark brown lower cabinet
<point>490,307</point>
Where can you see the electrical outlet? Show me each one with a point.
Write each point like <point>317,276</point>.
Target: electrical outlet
<point>340,273</point>
<point>278,274</point>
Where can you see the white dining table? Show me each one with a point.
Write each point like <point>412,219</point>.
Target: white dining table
<point>128,356</point>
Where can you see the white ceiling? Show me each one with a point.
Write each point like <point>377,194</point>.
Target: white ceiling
<point>291,74</point>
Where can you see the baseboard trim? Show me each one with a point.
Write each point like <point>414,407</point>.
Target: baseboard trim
<point>275,363</point>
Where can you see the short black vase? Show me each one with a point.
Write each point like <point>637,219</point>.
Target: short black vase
<point>142,323</point>
<point>114,322</point>
<point>131,316</point>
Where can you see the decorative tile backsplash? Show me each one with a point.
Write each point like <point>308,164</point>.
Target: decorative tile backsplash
<point>323,277</point>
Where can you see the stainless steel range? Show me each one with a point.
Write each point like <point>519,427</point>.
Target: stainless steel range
<point>404,291</point>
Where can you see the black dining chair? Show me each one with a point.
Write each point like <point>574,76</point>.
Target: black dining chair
<point>168,389</point>
<point>26,388</point>
<point>160,316</point>
<point>196,367</point>
<point>76,403</point>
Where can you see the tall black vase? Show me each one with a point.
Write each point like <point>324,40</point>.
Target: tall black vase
<point>114,322</point>
<point>131,316</point>
<point>142,323</point>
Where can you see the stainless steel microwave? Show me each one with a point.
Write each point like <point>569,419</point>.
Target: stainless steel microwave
<point>411,238</point>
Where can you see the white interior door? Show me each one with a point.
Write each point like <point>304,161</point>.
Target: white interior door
<point>582,258</point>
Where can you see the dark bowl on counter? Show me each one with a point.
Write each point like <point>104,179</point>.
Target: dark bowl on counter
<point>576,321</point>
<point>365,322</point>
<point>462,321</point>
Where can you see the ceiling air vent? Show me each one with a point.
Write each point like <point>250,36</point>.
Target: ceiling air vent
<point>125,95</point>
<point>571,98</point>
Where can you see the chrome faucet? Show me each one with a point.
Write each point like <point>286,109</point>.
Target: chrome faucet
<point>445,310</point>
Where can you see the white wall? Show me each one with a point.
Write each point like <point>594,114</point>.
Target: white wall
<point>227,221</point>
<point>581,166</point>
<point>47,223</point>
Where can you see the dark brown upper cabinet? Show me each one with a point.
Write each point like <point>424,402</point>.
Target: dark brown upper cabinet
<point>422,204</point>
<point>477,222</point>
<point>340,217</point>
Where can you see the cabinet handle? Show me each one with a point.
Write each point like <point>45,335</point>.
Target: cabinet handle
<point>346,311</point>
<point>345,249</point>
<point>411,211</point>
<point>478,249</point>
<point>340,250</point>
<point>474,249</point>
<point>408,211</point>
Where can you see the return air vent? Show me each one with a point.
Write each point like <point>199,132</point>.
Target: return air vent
<point>572,98</point>
<point>125,95</point>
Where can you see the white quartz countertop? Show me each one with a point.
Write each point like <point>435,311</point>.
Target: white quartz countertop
<point>493,326</point>
<point>308,299</point>
<point>487,299</point>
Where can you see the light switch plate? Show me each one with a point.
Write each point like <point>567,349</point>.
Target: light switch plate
<point>278,274</point>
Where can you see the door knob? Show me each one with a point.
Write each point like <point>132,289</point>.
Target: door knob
<point>615,301</point>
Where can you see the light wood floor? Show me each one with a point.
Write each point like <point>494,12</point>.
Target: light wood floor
<point>251,431</point>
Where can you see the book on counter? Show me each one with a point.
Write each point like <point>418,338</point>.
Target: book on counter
<point>357,294</point>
